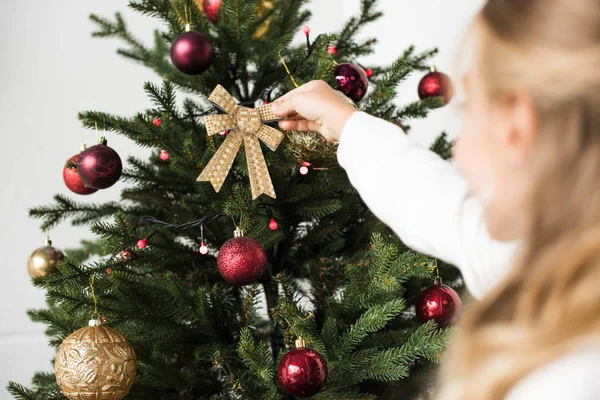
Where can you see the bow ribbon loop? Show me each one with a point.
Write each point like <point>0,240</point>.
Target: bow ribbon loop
<point>245,125</point>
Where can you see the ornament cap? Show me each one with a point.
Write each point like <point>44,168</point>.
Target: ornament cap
<point>433,68</point>
<point>94,322</point>
<point>238,233</point>
<point>48,242</point>
<point>300,343</point>
<point>103,141</point>
<point>437,281</point>
<point>83,147</point>
<point>188,27</point>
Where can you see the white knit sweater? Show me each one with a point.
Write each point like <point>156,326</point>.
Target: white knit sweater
<point>427,203</point>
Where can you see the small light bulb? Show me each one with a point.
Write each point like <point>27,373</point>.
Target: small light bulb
<point>156,121</point>
<point>303,170</point>
<point>164,155</point>
<point>142,243</point>
<point>273,224</point>
<point>203,248</point>
<point>332,50</point>
<point>306,30</point>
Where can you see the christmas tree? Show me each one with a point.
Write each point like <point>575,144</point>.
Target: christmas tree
<point>313,295</point>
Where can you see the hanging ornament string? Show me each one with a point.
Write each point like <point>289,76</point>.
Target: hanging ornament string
<point>95,313</point>
<point>288,71</point>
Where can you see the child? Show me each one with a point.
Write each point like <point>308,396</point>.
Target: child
<point>530,156</point>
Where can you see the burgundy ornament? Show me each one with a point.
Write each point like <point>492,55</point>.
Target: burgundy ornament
<point>436,84</point>
<point>211,9</point>
<point>302,372</point>
<point>440,303</point>
<point>241,260</point>
<point>72,179</point>
<point>352,80</point>
<point>99,166</point>
<point>192,53</point>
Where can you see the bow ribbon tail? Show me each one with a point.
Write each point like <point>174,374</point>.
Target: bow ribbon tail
<point>260,180</point>
<point>219,165</point>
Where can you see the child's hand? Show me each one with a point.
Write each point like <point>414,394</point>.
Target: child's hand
<point>314,106</point>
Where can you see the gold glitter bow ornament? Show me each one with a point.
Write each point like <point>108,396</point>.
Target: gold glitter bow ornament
<point>247,125</point>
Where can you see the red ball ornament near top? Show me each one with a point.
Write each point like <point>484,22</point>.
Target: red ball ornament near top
<point>211,9</point>
<point>352,80</point>
<point>436,84</point>
<point>72,179</point>
<point>440,303</point>
<point>99,166</point>
<point>302,372</point>
<point>241,260</point>
<point>191,52</point>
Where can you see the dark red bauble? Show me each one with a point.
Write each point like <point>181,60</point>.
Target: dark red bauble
<point>302,372</point>
<point>352,80</point>
<point>99,166</point>
<point>436,84</point>
<point>72,179</point>
<point>241,261</point>
<point>192,53</point>
<point>211,9</point>
<point>440,303</point>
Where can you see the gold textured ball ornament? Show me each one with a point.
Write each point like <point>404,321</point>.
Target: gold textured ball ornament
<point>44,260</point>
<point>312,147</point>
<point>95,362</point>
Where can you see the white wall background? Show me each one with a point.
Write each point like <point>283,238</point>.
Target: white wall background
<point>51,68</point>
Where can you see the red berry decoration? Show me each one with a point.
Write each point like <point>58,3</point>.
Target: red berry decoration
<point>273,224</point>
<point>211,9</point>
<point>436,84</point>
<point>440,303</point>
<point>156,121</point>
<point>99,167</point>
<point>72,179</point>
<point>142,243</point>
<point>302,372</point>
<point>241,260</point>
<point>352,80</point>
<point>164,155</point>
<point>192,53</point>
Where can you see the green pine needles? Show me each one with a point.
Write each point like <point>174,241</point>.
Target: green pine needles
<point>336,275</point>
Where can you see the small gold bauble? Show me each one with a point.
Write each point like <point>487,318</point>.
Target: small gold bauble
<point>312,147</point>
<point>264,7</point>
<point>44,260</point>
<point>96,363</point>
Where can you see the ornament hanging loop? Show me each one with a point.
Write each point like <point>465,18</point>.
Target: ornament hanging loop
<point>238,233</point>
<point>300,343</point>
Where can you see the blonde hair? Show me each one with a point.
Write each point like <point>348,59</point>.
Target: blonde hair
<point>550,302</point>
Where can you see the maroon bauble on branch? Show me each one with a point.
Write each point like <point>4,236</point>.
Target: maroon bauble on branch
<point>192,53</point>
<point>436,84</point>
<point>302,372</point>
<point>440,303</point>
<point>72,179</point>
<point>352,80</point>
<point>211,9</point>
<point>241,260</point>
<point>99,166</point>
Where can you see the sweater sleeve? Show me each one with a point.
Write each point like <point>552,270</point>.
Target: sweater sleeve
<point>422,198</point>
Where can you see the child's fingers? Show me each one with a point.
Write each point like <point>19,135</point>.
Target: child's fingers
<point>299,125</point>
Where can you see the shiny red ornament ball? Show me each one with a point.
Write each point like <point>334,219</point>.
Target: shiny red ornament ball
<point>369,72</point>
<point>352,80</point>
<point>241,261</point>
<point>436,84</point>
<point>164,155</point>
<point>203,248</point>
<point>211,9</point>
<point>306,30</point>
<point>440,303</point>
<point>72,179</point>
<point>142,243</point>
<point>302,372</point>
<point>332,50</point>
<point>157,121</point>
<point>273,224</point>
<point>99,166</point>
<point>192,53</point>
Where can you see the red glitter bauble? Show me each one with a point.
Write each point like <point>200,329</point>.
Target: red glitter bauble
<point>440,303</point>
<point>72,179</point>
<point>302,372</point>
<point>241,261</point>
<point>192,53</point>
<point>211,9</point>
<point>99,166</point>
<point>436,84</point>
<point>352,80</point>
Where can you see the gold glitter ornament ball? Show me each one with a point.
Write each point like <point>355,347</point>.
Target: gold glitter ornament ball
<point>95,363</point>
<point>44,260</point>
